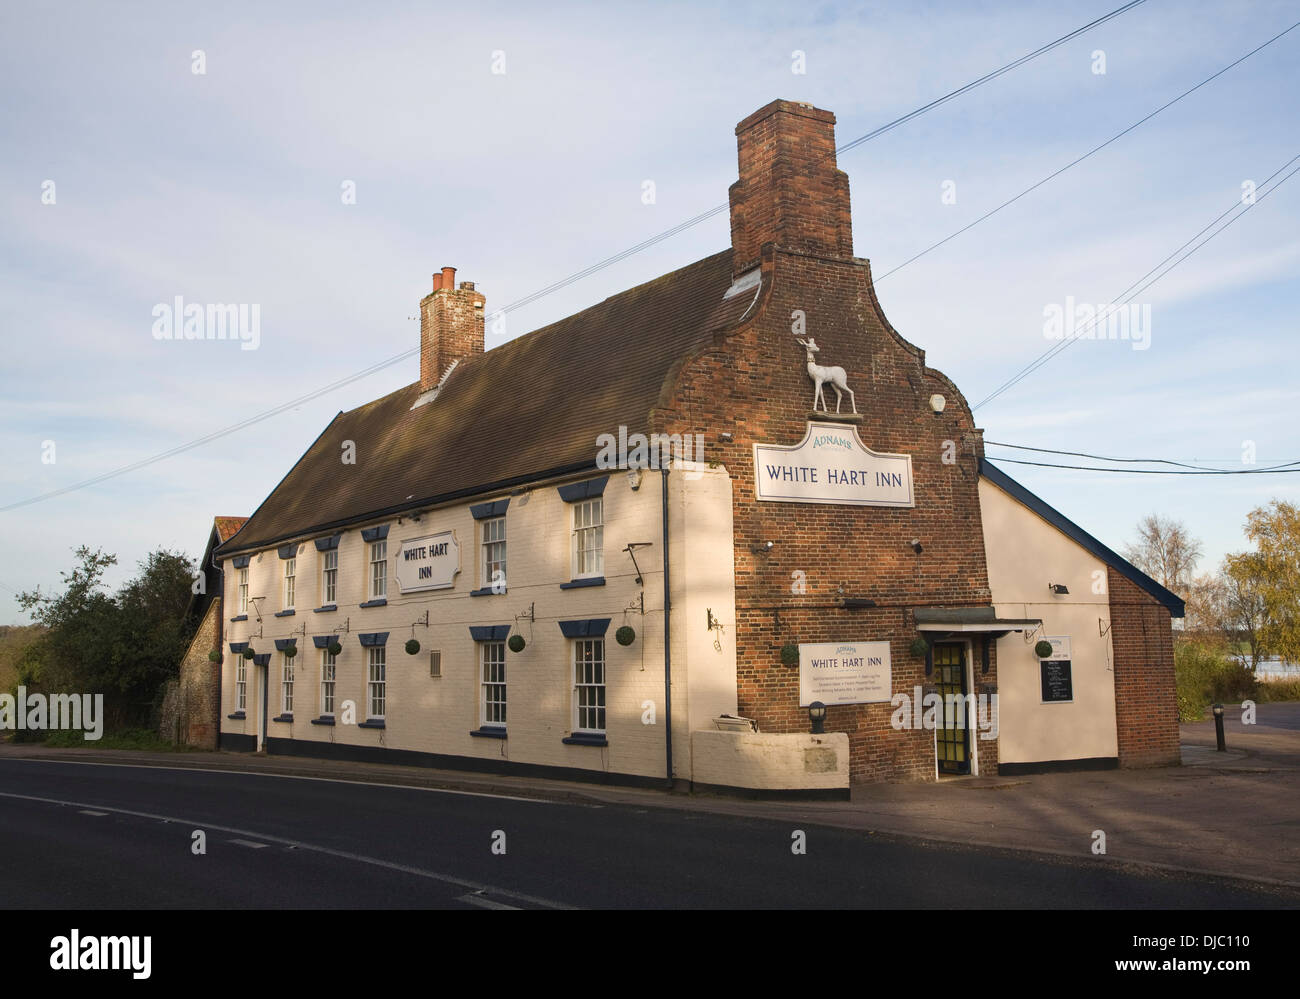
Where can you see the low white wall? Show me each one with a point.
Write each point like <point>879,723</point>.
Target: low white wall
<point>775,761</point>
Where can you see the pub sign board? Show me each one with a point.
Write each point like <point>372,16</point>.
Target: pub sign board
<point>428,563</point>
<point>1056,673</point>
<point>832,465</point>
<point>844,673</point>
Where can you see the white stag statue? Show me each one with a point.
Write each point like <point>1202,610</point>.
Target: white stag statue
<point>821,375</point>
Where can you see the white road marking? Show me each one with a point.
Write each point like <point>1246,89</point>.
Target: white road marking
<point>472,886</point>
<point>249,843</point>
<point>91,811</point>
<point>486,903</point>
<point>327,780</point>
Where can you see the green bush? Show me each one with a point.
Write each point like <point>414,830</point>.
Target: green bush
<point>129,738</point>
<point>1278,690</point>
<point>1205,673</point>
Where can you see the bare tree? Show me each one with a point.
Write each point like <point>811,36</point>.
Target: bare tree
<point>1243,607</point>
<point>1207,599</point>
<point>1166,552</point>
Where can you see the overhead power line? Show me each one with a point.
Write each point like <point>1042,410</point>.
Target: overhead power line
<point>1279,470</point>
<point>1238,207</point>
<point>558,285</point>
<point>1075,162</point>
<point>1136,461</point>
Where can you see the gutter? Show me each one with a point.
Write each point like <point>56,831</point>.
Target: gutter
<point>668,654</point>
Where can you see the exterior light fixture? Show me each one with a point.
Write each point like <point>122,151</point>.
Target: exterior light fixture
<point>916,546</point>
<point>725,436</point>
<point>817,715</point>
<point>1059,589</point>
<point>937,402</point>
<point>634,478</point>
<point>761,547</point>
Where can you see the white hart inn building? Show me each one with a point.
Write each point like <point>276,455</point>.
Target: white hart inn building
<point>726,529</point>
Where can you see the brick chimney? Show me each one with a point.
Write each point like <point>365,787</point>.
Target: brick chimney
<point>790,192</point>
<point>451,326</point>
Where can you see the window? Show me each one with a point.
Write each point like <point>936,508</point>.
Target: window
<point>286,685</point>
<point>589,538</point>
<point>589,684</point>
<point>289,570</point>
<point>243,590</point>
<point>375,685</point>
<point>435,663</point>
<point>328,668</point>
<point>378,570</point>
<point>329,577</point>
<point>241,679</point>
<point>492,656</point>
<point>494,553</point>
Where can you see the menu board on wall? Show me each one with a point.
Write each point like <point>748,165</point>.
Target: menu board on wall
<point>1056,673</point>
<point>1057,681</point>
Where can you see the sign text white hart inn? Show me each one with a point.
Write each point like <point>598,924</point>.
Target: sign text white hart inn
<point>832,465</point>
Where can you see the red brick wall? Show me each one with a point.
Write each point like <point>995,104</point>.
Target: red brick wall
<point>754,383</point>
<point>789,192</point>
<point>790,210</point>
<point>451,328</point>
<point>1146,698</point>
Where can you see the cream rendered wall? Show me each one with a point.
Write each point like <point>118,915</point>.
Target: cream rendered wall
<point>436,715</point>
<point>1024,555</point>
<point>701,540</point>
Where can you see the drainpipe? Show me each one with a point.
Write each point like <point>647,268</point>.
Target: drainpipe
<point>668,654</point>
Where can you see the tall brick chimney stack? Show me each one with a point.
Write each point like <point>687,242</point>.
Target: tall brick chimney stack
<point>790,192</point>
<point>451,326</point>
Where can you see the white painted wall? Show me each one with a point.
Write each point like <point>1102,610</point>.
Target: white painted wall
<point>1025,554</point>
<point>436,715</point>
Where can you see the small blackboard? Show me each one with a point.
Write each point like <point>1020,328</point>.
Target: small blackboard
<point>1057,682</point>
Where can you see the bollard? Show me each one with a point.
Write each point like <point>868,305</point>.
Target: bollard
<point>1218,726</point>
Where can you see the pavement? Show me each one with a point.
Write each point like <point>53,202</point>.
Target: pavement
<point>1234,814</point>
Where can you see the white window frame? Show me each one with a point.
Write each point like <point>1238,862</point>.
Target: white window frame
<point>329,675</point>
<point>379,569</point>
<point>329,577</point>
<point>290,581</point>
<point>243,590</point>
<point>488,705</point>
<point>241,682</point>
<point>598,710</point>
<point>589,526</point>
<point>489,527</point>
<point>286,683</point>
<point>376,689</point>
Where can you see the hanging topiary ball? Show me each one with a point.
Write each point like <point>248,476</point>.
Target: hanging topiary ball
<point>1043,649</point>
<point>412,646</point>
<point>919,647</point>
<point>335,648</point>
<point>625,635</point>
<point>515,643</point>
<point>214,656</point>
<point>248,652</point>
<point>290,651</point>
<point>790,654</point>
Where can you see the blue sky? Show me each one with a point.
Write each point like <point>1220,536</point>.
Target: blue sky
<point>225,187</point>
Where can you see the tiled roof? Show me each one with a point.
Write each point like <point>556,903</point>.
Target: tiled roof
<point>228,527</point>
<point>529,408</point>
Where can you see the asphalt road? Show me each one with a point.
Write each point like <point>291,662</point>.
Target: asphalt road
<point>107,836</point>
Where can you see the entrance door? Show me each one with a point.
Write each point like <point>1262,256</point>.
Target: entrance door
<point>952,731</point>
